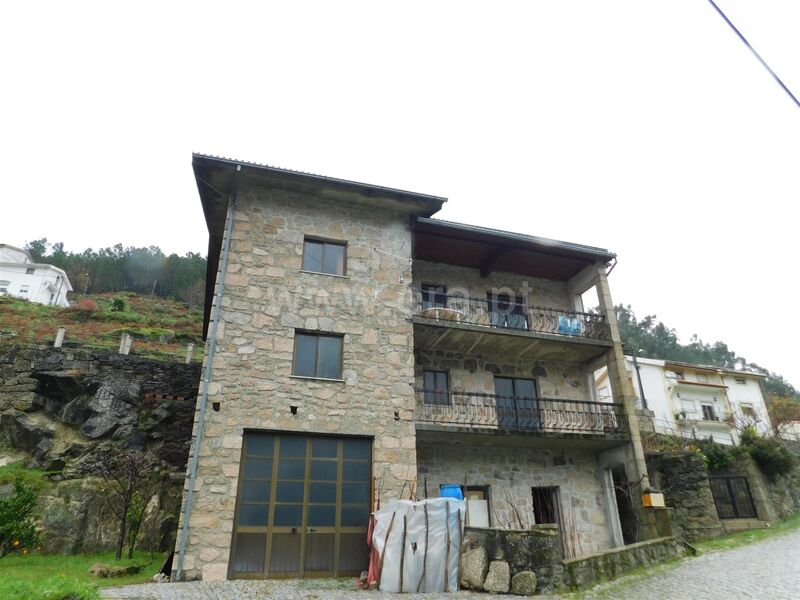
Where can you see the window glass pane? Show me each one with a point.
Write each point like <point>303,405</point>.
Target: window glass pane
<point>503,386</point>
<point>323,470</point>
<point>330,357</point>
<point>258,468</point>
<point>312,256</point>
<point>525,388</point>
<point>255,491</point>
<point>287,491</point>
<point>324,448</point>
<point>357,449</point>
<point>355,492</point>
<point>253,515</point>
<point>291,469</point>
<point>293,446</point>
<point>429,380</point>
<point>288,515</point>
<point>334,259</point>
<point>322,492</point>
<point>322,515</point>
<point>355,471</point>
<point>354,515</point>
<point>305,355</point>
<point>441,381</point>
<point>259,445</point>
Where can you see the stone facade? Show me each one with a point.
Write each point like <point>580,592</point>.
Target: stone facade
<point>267,297</point>
<point>511,472</point>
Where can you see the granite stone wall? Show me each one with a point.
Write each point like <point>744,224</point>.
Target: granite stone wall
<point>683,479</point>
<point>267,298</point>
<point>511,472</point>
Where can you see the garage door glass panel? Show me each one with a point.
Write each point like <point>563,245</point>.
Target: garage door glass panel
<point>355,492</point>
<point>253,515</point>
<point>354,515</point>
<point>260,445</point>
<point>258,468</point>
<point>293,446</point>
<point>324,448</point>
<point>288,515</point>
<point>323,470</point>
<point>289,468</point>
<point>355,471</point>
<point>357,449</point>
<point>322,492</point>
<point>289,491</point>
<point>321,515</point>
<point>255,491</point>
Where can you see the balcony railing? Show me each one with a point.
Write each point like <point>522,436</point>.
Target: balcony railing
<point>510,315</point>
<point>491,412</point>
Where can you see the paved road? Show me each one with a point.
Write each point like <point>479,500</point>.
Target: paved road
<point>768,570</point>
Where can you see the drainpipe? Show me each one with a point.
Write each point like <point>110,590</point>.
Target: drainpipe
<point>212,346</point>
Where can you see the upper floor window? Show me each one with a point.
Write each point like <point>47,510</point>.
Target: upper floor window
<point>317,355</point>
<point>320,256</point>
<point>436,387</point>
<point>434,296</point>
<point>748,411</point>
<point>30,271</point>
<point>4,286</point>
<point>709,414</point>
<point>739,380</point>
<point>23,289</point>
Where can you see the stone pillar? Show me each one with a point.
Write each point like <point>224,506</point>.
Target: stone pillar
<point>189,350</point>
<point>125,343</point>
<point>621,387</point>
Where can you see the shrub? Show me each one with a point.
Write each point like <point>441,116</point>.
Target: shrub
<point>82,310</point>
<point>17,519</point>
<point>716,455</point>
<point>770,455</point>
<point>118,305</point>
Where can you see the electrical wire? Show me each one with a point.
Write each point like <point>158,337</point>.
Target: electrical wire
<point>756,54</point>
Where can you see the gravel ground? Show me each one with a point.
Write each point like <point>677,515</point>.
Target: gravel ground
<point>768,570</point>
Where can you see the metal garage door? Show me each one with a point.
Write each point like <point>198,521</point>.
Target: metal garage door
<point>302,507</point>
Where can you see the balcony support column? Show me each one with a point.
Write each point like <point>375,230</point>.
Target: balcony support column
<point>621,387</point>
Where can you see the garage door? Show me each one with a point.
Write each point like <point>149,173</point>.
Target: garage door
<point>302,507</point>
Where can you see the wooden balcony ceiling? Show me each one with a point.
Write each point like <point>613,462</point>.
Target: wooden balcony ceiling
<point>490,250</point>
<point>450,336</point>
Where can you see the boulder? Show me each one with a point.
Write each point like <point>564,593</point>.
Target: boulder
<point>113,404</point>
<point>23,432</point>
<point>106,571</point>
<point>474,565</point>
<point>524,583</point>
<point>498,579</point>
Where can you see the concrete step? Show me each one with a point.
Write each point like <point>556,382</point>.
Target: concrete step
<point>731,525</point>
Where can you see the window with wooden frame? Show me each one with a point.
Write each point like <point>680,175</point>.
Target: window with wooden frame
<point>317,355</point>
<point>709,414</point>
<point>324,256</point>
<point>436,385</point>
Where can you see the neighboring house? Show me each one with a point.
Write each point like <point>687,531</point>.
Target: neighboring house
<point>360,351</point>
<point>40,283</point>
<point>696,401</point>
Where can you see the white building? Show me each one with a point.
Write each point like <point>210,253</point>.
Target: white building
<point>695,401</point>
<point>23,278</point>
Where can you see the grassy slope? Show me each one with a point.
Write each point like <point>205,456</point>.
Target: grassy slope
<point>159,326</point>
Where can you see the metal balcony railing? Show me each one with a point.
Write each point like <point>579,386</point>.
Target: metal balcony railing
<point>509,315</point>
<point>488,411</point>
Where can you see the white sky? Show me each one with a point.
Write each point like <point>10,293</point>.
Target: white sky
<point>643,127</point>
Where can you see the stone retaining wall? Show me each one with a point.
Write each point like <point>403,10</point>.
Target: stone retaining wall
<point>613,563</point>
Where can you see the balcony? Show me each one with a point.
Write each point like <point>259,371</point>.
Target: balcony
<point>489,413</point>
<point>531,330</point>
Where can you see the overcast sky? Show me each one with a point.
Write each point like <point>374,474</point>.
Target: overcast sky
<point>646,128</point>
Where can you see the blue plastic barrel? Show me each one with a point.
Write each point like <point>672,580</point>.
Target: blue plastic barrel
<point>451,490</point>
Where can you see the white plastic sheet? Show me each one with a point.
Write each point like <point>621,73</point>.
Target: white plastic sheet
<point>421,571</point>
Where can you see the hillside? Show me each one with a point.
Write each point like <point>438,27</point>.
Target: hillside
<point>160,327</point>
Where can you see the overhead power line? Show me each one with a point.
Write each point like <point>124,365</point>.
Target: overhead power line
<point>756,54</point>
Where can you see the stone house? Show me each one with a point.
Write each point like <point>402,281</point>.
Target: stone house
<point>360,351</point>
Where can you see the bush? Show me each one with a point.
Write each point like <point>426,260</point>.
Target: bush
<point>82,310</point>
<point>770,455</point>
<point>118,305</point>
<point>17,519</point>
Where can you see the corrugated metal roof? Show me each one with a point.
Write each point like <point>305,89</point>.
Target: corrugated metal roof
<point>281,170</point>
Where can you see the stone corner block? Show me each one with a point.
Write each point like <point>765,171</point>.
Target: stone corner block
<point>215,572</point>
<point>524,583</point>
<point>498,579</point>
<point>474,565</point>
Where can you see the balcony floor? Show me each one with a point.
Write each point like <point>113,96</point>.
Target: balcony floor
<point>433,433</point>
<point>432,334</point>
